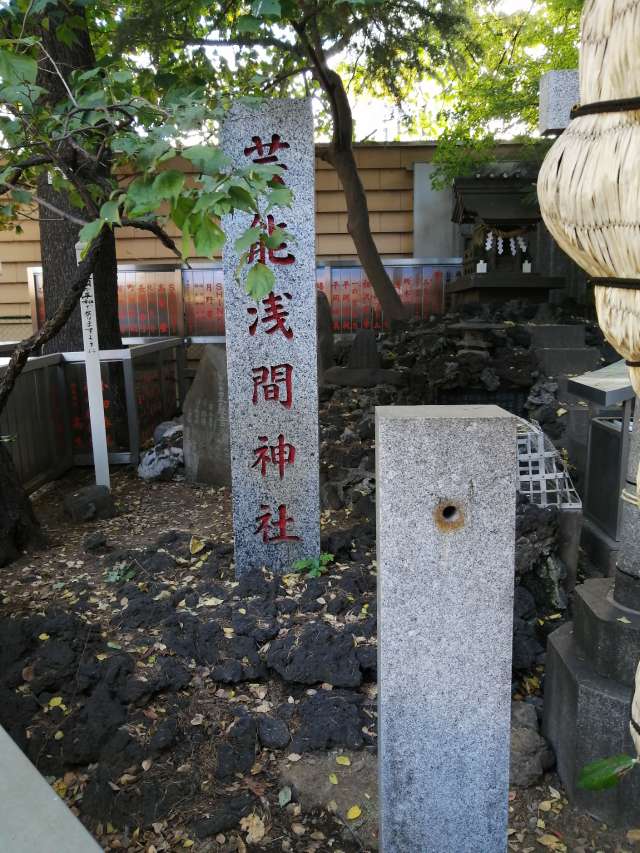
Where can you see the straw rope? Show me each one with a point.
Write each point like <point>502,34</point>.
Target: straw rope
<point>589,190</point>
<point>589,183</point>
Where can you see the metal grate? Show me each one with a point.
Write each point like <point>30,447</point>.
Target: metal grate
<point>542,474</point>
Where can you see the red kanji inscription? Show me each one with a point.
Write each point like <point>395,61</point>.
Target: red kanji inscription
<point>275,383</point>
<point>280,454</point>
<point>266,151</point>
<point>274,313</point>
<point>274,530</point>
<point>259,250</point>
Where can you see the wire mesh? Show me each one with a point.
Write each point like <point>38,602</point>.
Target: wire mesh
<point>542,474</point>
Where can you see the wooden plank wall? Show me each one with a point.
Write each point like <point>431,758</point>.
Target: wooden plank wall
<point>385,170</point>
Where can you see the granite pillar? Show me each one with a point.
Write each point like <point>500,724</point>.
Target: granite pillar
<point>272,347</point>
<point>446,490</point>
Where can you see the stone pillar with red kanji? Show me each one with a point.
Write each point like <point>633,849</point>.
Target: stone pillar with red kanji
<point>272,347</point>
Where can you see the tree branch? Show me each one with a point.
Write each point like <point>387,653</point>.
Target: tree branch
<point>52,325</point>
<point>156,229</point>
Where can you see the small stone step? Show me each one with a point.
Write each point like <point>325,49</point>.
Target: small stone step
<point>556,361</point>
<point>548,335</point>
<point>608,635</point>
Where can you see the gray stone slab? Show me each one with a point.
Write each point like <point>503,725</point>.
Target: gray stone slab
<point>556,335</point>
<point>272,367</point>
<point>207,457</point>
<point>607,386</point>
<point>446,488</point>
<point>554,361</point>
<point>32,816</point>
<point>559,92</point>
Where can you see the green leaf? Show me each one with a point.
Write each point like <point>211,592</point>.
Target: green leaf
<point>277,237</point>
<point>169,184</point>
<point>109,212</point>
<point>88,234</point>
<point>142,196</point>
<point>260,281</point>
<point>181,210</point>
<point>206,158</point>
<point>21,196</point>
<point>279,197</point>
<point>208,238</point>
<point>250,236</point>
<point>605,773</point>
<point>17,68</point>
<point>247,24</point>
<point>242,199</point>
<point>284,796</point>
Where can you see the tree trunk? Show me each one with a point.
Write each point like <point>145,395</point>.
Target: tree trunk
<point>340,155</point>
<point>18,524</point>
<point>58,237</point>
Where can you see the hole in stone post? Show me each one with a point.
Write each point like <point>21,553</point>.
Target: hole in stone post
<point>448,515</point>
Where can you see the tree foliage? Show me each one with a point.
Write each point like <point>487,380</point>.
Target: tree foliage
<point>106,144</point>
<point>493,93</point>
<point>325,48</point>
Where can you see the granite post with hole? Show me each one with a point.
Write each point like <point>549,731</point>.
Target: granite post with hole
<point>446,490</point>
<point>272,348</point>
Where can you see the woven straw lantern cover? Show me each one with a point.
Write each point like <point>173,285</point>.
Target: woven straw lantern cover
<point>589,182</point>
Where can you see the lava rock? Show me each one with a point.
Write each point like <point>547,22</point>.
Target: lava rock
<point>237,753</point>
<point>318,654</point>
<point>94,541</point>
<point>90,502</point>
<point>165,735</point>
<point>328,720</point>
<point>273,733</point>
<point>226,815</point>
<point>531,757</point>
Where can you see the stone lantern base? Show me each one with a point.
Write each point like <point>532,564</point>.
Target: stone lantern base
<point>588,691</point>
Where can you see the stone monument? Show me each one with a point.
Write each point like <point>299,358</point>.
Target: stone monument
<point>206,421</point>
<point>446,479</point>
<point>272,347</point>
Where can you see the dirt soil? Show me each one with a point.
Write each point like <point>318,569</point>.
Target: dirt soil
<point>161,699</point>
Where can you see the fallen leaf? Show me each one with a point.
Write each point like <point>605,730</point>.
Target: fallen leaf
<point>253,825</point>
<point>552,843</point>
<point>27,673</point>
<point>55,702</point>
<point>102,656</point>
<point>333,778</point>
<point>633,835</point>
<point>343,760</point>
<point>187,843</point>
<point>545,806</point>
<point>293,756</point>
<point>196,545</point>
<point>555,794</point>
<point>198,720</point>
<point>58,735</point>
<point>624,620</point>
<point>354,813</point>
<point>212,601</point>
<point>298,828</point>
<point>146,764</point>
<point>43,637</point>
<point>284,796</point>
